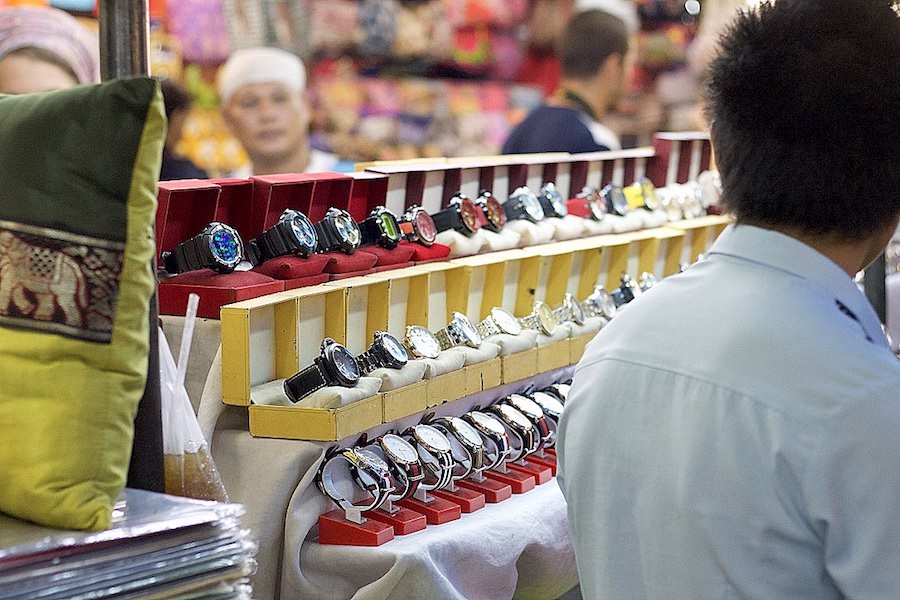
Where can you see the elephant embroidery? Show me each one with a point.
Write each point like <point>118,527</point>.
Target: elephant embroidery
<point>56,285</point>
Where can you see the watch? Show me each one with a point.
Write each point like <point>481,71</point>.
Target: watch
<point>421,343</point>
<point>590,203</point>
<point>458,332</point>
<point>642,194</point>
<point>559,389</point>
<point>523,204</point>
<point>460,215</point>
<point>693,200</point>
<point>471,458</point>
<point>335,365</point>
<point>418,226</point>
<point>386,352</point>
<point>710,183</point>
<point>534,413</point>
<point>627,291</point>
<point>494,435</point>
<point>614,197</point>
<point>671,200</point>
<point>523,430</point>
<point>380,227</point>
<point>404,464</point>
<point>499,321</point>
<point>368,470</point>
<point>600,303</point>
<point>570,310</point>
<point>541,318</point>
<point>434,451</point>
<point>549,403</point>
<point>338,231</point>
<point>292,234</point>
<point>552,201</point>
<point>647,280</point>
<point>494,215</point>
<point>217,247</point>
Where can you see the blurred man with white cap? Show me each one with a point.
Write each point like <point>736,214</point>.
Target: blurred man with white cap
<point>263,103</point>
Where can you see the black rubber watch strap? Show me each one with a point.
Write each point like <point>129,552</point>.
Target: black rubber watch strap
<point>447,219</point>
<point>369,232</point>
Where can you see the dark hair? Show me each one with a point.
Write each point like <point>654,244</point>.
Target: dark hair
<point>803,101</point>
<point>175,96</point>
<point>590,37</point>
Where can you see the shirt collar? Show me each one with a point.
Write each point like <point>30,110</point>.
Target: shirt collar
<point>785,253</point>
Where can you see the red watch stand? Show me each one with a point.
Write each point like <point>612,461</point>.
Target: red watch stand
<point>403,520</point>
<point>541,473</point>
<point>338,527</point>
<point>543,460</point>
<point>493,491</point>
<point>436,510</point>
<point>469,500</point>
<point>519,481</point>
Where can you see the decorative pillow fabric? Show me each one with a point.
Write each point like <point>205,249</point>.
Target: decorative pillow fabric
<point>77,205</point>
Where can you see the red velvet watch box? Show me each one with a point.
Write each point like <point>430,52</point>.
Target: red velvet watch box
<point>293,267</point>
<point>578,207</point>
<point>329,189</point>
<point>235,196</point>
<point>185,208</point>
<point>341,264</point>
<point>271,195</point>
<point>396,256</point>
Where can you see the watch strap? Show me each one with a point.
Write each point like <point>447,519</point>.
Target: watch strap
<point>447,219</point>
<point>444,337</point>
<point>488,327</point>
<point>305,382</point>
<point>370,232</point>
<point>186,256</point>
<point>325,481</point>
<point>367,362</point>
<point>326,233</point>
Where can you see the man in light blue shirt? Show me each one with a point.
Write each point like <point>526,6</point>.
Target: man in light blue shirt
<point>735,433</point>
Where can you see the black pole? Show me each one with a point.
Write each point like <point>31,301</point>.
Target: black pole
<point>124,35</point>
<point>874,285</point>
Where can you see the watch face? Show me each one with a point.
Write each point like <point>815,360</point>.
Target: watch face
<point>345,365</point>
<point>548,403</point>
<point>649,192</point>
<point>671,202</point>
<point>513,417</point>
<point>388,225</point>
<point>394,348</point>
<point>468,212</point>
<point>422,341</point>
<point>526,406</point>
<point>575,307</point>
<point>532,206</point>
<point>399,449</point>
<point>554,198</point>
<point>302,228</point>
<point>616,201</point>
<point>225,245</point>
<point>545,317</point>
<point>424,226</point>
<point>470,334</point>
<point>562,390</point>
<point>603,302</point>
<point>505,321</point>
<point>371,460</point>
<point>465,431</point>
<point>486,422</point>
<point>347,228</point>
<point>431,438</point>
<point>494,212</point>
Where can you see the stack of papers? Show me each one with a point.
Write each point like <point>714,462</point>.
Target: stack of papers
<point>158,547</point>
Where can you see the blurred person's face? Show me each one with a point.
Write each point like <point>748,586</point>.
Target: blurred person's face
<point>269,119</point>
<point>23,74</point>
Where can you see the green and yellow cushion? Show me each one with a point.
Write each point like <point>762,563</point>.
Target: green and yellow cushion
<point>78,173</point>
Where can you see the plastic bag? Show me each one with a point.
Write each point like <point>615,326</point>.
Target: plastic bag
<point>188,466</point>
